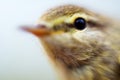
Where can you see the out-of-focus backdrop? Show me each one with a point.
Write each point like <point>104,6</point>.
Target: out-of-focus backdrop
<point>21,55</point>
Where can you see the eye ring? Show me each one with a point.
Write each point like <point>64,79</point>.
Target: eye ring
<point>80,23</point>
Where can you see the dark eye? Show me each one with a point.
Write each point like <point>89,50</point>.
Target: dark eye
<point>80,23</point>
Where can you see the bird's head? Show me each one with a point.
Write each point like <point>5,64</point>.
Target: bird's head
<point>67,19</point>
<point>72,36</point>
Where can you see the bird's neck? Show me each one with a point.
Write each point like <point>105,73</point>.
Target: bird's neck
<point>104,66</point>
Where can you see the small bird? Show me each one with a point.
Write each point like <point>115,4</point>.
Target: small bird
<point>82,45</point>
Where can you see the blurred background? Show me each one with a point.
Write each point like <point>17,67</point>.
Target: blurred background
<point>21,54</point>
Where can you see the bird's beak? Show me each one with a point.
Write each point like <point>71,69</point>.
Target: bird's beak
<point>39,30</point>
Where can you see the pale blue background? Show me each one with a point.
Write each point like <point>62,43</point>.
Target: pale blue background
<point>21,56</point>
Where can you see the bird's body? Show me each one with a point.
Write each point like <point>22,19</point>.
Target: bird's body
<point>89,54</point>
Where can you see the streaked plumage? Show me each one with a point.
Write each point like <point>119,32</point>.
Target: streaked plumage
<point>89,54</point>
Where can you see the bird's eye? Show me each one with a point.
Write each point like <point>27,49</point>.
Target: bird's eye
<point>80,23</point>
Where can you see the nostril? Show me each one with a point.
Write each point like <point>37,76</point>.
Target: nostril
<point>40,26</point>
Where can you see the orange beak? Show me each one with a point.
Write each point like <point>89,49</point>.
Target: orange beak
<point>39,30</point>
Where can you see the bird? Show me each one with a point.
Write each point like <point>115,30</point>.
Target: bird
<point>81,44</point>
